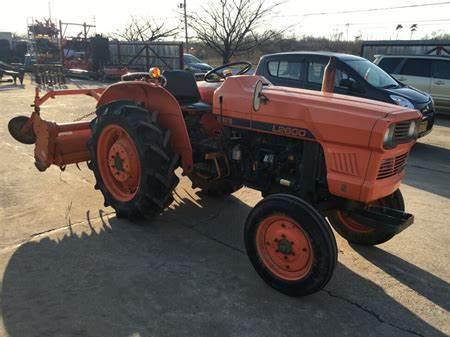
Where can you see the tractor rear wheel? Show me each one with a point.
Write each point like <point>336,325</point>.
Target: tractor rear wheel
<point>132,160</point>
<point>355,232</point>
<point>290,245</point>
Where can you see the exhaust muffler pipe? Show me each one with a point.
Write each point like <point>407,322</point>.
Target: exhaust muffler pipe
<point>329,76</point>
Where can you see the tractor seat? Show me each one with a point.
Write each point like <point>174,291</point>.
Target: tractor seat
<point>183,86</point>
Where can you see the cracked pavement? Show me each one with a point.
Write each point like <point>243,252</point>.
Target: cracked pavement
<point>69,267</point>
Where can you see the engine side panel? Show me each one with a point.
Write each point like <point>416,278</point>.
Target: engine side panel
<point>341,124</point>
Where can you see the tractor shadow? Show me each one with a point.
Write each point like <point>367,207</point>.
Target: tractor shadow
<point>184,274</point>
<point>429,169</point>
<point>427,285</point>
<point>6,87</point>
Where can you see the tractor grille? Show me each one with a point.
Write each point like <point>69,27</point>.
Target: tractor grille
<point>345,163</point>
<point>401,132</point>
<point>392,166</point>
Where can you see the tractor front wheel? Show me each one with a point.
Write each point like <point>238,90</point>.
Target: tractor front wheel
<point>290,245</point>
<point>355,232</point>
<point>132,160</point>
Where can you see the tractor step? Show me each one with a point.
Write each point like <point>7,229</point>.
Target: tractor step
<point>386,219</point>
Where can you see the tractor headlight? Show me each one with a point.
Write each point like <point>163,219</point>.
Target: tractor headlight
<point>402,132</point>
<point>402,101</point>
<point>412,131</point>
<point>388,140</point>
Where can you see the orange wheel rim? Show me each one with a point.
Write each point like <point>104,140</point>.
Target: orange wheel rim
<point>354,225</point>
<point>284,247</point>
<point>118,162</point>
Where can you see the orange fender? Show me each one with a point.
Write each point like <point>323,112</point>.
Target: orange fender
<point>156,98</point>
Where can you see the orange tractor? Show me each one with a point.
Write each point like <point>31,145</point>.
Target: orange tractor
<point>318,158</point>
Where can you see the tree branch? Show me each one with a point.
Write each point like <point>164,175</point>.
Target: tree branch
<point>229,26</point>
<point>141,29</point>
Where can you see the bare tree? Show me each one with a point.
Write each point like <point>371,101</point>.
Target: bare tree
<point>230,27</point>
<point>143,29</point>
<point>437,35</point>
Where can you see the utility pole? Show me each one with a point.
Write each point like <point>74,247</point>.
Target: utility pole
<point>183,6</point>
<point>186,26</point>
<point>50,10</point>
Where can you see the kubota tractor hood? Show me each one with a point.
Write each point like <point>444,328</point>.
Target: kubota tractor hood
<point>288,98</point>
<point>315,115</point>
<point>349,103</point>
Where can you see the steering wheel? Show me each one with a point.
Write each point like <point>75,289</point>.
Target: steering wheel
<point>245,67</point>
<point>143,76</point>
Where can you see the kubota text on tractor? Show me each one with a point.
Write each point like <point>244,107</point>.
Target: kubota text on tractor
<point>313,155</point>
